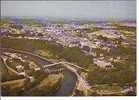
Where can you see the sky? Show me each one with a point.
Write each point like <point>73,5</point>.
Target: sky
<point>100,10</point>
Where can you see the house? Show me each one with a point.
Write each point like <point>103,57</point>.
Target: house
<point>19,68</point>
<point>102,63</point>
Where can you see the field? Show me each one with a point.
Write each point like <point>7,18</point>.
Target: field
<point>99,58</point>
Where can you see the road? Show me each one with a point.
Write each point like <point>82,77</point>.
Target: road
<point>71,81</point>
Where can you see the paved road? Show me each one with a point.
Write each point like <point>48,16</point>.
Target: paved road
<point>71,77</point>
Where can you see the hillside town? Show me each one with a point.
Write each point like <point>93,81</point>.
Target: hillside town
<point>83,36</point>
<point>85,50</point>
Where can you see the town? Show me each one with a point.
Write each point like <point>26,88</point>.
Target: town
<point>81,50</point>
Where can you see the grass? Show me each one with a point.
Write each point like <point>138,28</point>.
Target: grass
<point>45,86</point>
<point>75,55</point>
<point>70,54</point>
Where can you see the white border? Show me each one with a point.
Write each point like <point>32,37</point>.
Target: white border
<point>137,45</point>
<point>91,98</point>
<point>72,98</point>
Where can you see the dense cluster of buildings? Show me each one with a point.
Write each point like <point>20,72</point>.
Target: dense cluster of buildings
<point>64,34</point>
<point>68,35</point>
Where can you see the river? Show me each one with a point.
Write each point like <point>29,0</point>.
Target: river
<point>69,80</point>
<point>68,84</point>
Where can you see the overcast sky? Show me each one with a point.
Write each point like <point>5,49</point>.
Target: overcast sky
<point>70,9</point>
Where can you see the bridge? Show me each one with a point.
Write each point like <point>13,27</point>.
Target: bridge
<point>81,83</point>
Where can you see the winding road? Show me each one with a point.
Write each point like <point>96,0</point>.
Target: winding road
<point>71,81</point>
